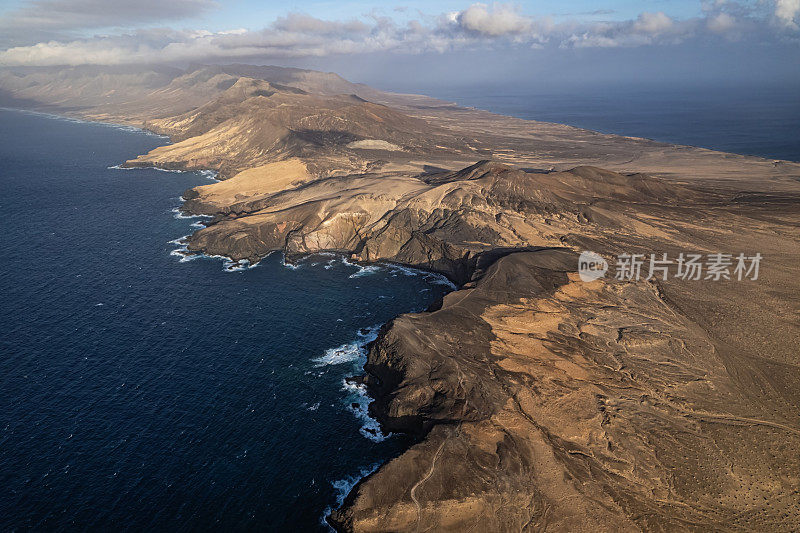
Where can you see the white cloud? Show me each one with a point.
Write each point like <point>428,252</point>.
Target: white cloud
<point>653,23</point>
<point>37,21</point>
<point>721,23</point>
<point>302,23</point>
<point>787,12</point>
<point>646,29</point>
<point>500,19</point>
<point>299,35</point>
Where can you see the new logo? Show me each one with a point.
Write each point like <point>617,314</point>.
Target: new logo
<point>591,266</point>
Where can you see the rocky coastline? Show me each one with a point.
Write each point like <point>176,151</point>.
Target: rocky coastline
<point>526,369</point>
<point>538,401</point>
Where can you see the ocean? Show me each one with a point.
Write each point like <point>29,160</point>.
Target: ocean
<point>139,392</point>
<point>761,120</point>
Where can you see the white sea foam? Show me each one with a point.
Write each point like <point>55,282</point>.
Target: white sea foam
<point>351,351</point>
<point>182,250</point>
<point>292,266</point>
<point>185,255</point>
<point>356,397</point>
<point>358,403</point>
<point>395,269</point>
<point>170,170</point>
<point>432,277</point>
<point>120,167</point>
<point>345,353</point>
<point>309,259</point>
<point>234,266</point>
<point>210,174</point>
<point>180,215</point>
<point>365,271</point>
<point>406,271</point>
<point>439,279</point>
<point>345,485</point>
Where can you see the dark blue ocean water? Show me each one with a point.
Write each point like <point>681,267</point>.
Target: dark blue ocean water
<point>139,392</point>
<point>762,120</point>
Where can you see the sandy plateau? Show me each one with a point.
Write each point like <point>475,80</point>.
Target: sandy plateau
<point>540,402</point>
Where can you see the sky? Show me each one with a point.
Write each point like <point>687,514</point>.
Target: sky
<point>400,44</point>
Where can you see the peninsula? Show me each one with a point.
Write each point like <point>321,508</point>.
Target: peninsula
<point>539,401</point>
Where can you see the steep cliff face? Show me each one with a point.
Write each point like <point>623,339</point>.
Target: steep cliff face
<point>441,222</point>
<point>547,403</point>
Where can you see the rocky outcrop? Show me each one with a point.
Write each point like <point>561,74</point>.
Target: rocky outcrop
<point>419,376</point>
<point>440,222</point>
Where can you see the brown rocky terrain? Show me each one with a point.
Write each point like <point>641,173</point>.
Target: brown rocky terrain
<point>547,403</point>
<point>544,402</point>
<point>538,401</point>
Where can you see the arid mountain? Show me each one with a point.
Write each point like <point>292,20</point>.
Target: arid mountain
<point>539,401</point>
<point>431,133</point>
<point>140,93</point>
<point>232,118</point>
<point>544,402</point>
<point>311,81</point>
<point>75,88</point>
<point>254,122</point>
<point>439,221</point>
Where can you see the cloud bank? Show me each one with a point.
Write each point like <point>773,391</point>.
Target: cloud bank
<point>300,35</point>
<point>74,14</point>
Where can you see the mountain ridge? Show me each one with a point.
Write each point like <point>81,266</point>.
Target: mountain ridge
<point>539,401</point>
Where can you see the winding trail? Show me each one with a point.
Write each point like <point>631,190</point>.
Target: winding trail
<point>423,480</point>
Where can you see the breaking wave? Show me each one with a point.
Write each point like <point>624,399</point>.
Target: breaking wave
<point>356,397</point>
<point>350,352</point>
